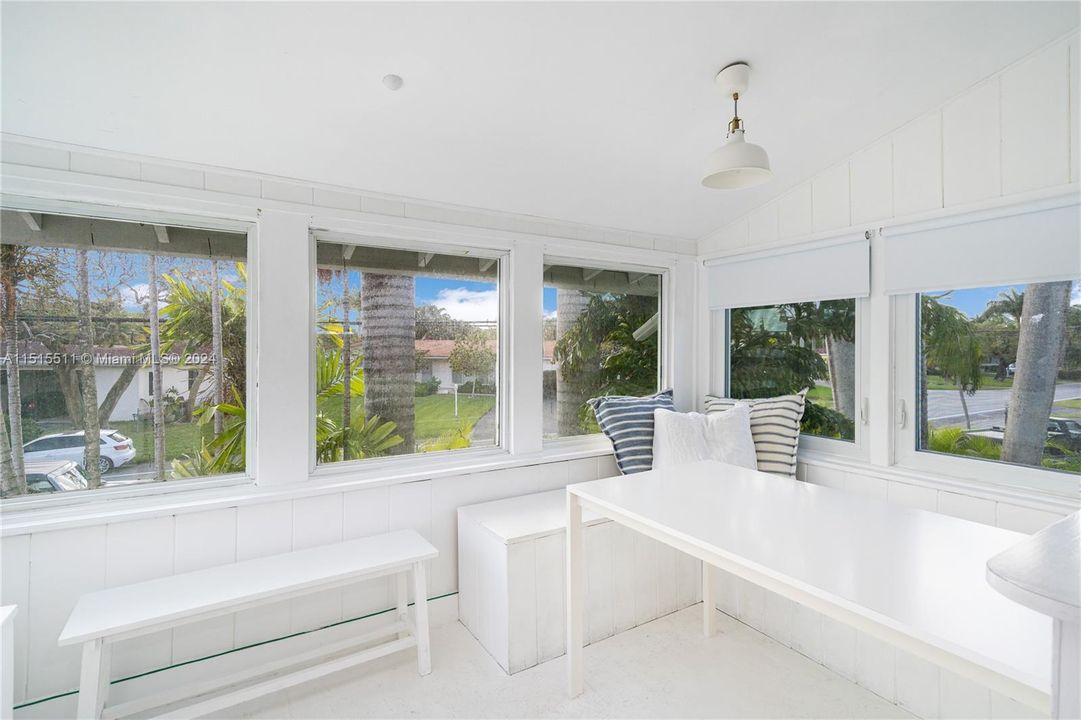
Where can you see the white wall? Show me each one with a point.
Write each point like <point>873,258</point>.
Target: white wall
<point>47,564</point>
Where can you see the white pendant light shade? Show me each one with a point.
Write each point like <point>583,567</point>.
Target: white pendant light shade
<point>736,164</point>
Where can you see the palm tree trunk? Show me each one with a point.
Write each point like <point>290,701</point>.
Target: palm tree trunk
<point>964,407</point>
<point>155,368</point>
<point>11,483</point>
<point>389,325</point>
<point>347,360</point>
<point>193,392</point>
<point>842,355</point>
<point>571,393</point>
<point>11,345</point>
<point>219,359</point>
<point>87,376</point>
<point>1039,350</point>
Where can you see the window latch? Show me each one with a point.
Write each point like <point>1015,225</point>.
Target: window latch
<point>865,411</point>
<point>902,414</point>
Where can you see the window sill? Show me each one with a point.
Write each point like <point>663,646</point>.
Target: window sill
<point>97,510</point>
<point>935,480</point>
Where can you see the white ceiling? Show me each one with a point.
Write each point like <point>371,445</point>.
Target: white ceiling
<point>597,113</point>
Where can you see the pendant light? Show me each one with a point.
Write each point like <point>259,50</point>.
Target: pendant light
<point>738,163</point>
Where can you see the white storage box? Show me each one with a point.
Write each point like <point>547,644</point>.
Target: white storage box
<point>511,578</point>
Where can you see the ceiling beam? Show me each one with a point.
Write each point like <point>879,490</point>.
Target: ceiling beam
<point>347,251</point>
<point>32,220</point>
<point>588,275</point>
<point>162,233</point>
<point>635,278</point>
<point>486,263</point>
<point>424,258</point>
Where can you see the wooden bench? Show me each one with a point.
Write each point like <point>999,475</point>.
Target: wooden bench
<point>103,618</point>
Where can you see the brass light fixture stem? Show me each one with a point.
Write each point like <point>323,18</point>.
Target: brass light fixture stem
<point>736,123</point>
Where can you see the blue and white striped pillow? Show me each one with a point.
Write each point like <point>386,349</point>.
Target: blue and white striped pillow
<point>628,423</point>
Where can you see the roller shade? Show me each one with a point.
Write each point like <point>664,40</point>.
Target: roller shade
<point>1040,245</point>
<point>833,270</point>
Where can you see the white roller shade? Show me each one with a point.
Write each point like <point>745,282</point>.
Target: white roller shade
<point>830,270</point>
<point>1035,245</point>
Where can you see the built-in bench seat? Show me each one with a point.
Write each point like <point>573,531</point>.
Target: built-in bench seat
<point>101,619</point>
<point>511,578</point>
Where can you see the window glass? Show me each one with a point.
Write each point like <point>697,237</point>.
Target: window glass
<point>407,350</point>
<point>91,309</point>
<point>782,349</point>
<point>1000,374</point>
<point>601,337</point>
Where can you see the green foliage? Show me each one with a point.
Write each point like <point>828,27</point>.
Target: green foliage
<point>428,387</point>
<point>363,438</point>
<point>435,323</point>
<point>473,354</point>
<point>450,440</point>
<point>950,344</point>
<point>826,422</point>
<point>955,441</point>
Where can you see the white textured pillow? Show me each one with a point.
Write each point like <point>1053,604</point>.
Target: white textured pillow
<point>690,437</point>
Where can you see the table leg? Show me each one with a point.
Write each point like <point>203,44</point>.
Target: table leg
<point>1065,670</point>
<point>420,611</point>
<point>575,599</point>
<point>403,599</point>
<point>709,600</point>
<point>94,679</point>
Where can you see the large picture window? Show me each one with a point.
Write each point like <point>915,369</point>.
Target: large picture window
<point>406,352</point>
<point>601,337</point>
<point>124,353</point>
<point>999,374</point>
<point>783,349</point>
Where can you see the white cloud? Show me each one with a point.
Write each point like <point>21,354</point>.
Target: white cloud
<point>469,305</point>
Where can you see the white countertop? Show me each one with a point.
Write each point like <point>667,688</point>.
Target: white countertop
<point>525,517</point>
<point>918,572</point>
<point>1043,572</point>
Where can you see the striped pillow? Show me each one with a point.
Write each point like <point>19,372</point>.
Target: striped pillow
<point>774,427</point>
<point>628,423</point>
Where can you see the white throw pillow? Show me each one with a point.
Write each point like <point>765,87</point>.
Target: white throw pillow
<point>690,437</point>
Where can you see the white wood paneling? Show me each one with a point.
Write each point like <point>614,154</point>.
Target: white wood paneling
<point>830,202</point>
<point>522,605</point>
<point>64,564</point>
<point>204,540</point>
<point>261,530</point>
<point>917,685</point>
<point>968,507</point>
<point>807,632</point>
<point>726,591</point>
<point>913,496</point>
<point>1023,519</point>
<point>871,175</point>
<point>1075,108</point>
<point>316,521</point>
<point>364,513</point>
<point>763,225</point>
<point>410,506</point>
<point>839,647</point>
<point>136,551</point>
<point>917,166</point>
<point>971,156</point>
<point>751,603</point>
<point>778,616</point>
<point>795,213</point>
<point>646,587</point>
<point>551,610</point>
<point>15,590</point>
<point>1035,122</point>
<point>961,698</point>
<point>600,605</point>
<point>623,577</point>
<point>876,666</point>
<point>866,485</point>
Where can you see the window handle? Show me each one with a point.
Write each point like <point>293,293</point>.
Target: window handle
<point>902,414</point>
<point>865,411</point>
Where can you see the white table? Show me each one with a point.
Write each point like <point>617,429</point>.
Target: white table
<point>1043,572</point>
<point>911,578</point>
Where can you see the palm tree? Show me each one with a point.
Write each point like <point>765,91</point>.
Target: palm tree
<point>86,374</point>
<point>158,407</point>
<point>572,388</point>
<point>10,257</point>
<point>951,345</point>
<point>1009,303</point>
<point>1039,351</point>
<point>11,483</point>
<point>219,360</point>
<point>389,315</point>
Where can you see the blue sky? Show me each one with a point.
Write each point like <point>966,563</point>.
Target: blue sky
<point>973,301</point>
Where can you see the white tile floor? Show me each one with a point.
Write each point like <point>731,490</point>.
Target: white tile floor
<point>662,669</point>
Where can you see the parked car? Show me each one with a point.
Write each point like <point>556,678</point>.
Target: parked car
<point>115,449</point>
<point>1011,369</point>
<point>1065,431</point>
<point>54,476</point>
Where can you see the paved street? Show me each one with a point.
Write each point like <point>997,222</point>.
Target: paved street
<point>987,408</point>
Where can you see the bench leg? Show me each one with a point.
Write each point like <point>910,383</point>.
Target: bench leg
<point>94,679</point>
<point>420,611</point>
<point>403,599</point>
<point>709,601</point>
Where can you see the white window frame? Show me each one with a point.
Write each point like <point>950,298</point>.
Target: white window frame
<point>985,474</point>
<point>855,449</point>
<point>597,441</point>
<point>390,463</point>
<point>58,501</point>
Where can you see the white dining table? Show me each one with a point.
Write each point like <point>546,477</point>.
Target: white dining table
<point>911,578</point>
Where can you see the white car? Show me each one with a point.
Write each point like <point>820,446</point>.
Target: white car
<point>115,449</point>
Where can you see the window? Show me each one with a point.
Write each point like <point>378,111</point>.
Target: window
<point>601,337</point>
<point>406,352</point>
<point>782,349</point>
<point>999,374</point>
<point>92,310</point>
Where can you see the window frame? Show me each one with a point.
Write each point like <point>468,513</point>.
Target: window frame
<point>989,474</point>
<point>855,449</point>
<point>134,213</point>
<point>388,464</point>
<point>598,440</point>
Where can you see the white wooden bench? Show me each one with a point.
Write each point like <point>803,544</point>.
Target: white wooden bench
<point>103,618</point>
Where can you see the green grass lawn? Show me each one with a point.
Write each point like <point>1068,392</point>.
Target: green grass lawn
<point>937,382</point>
<point>180,438</point>
<point>1073,404</point>
<point>434,413</point>
<point>821,395</point>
